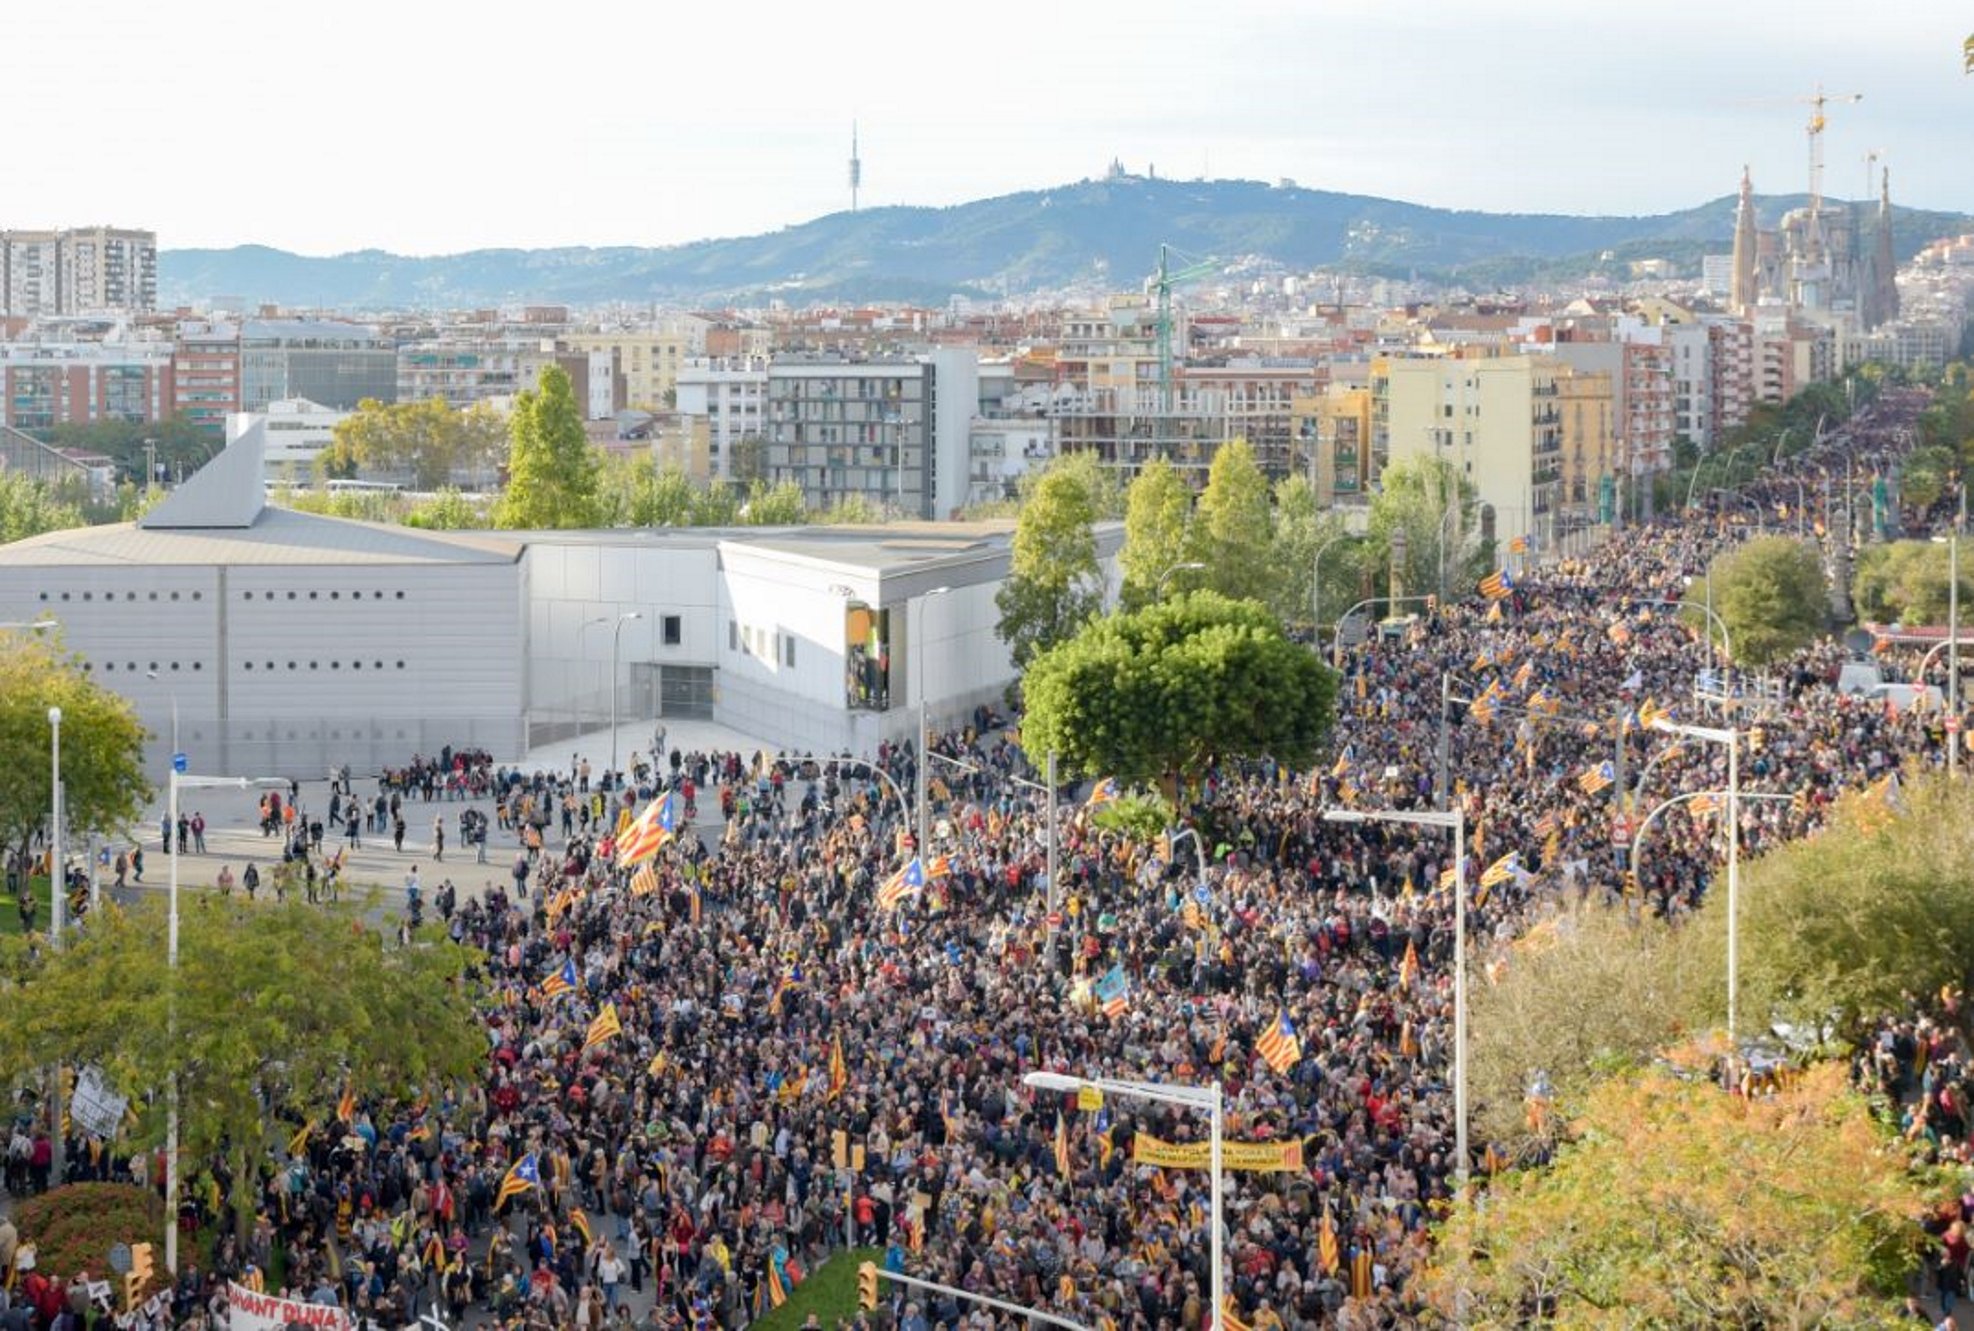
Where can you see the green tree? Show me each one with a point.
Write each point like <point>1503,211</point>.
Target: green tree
<point>1906,582</point>
<point>1813,1221</point>
<point>428,441</point>
<point>1158,507</point>
<point>716,505</point>
<point>29,507</point>
<point>553,471</point>
<point>1301,532</point>
<point>177,442</point>
<point>1054,583</point>
<point>448,510</point>
<point>633,493</point>
<point>1154,693</point>
<point>270,1012</point>
<point>779,505</point>
<point>102,743</point>
<point>1438,511</point>
<point>1835,929</point>
<point>1235,523</point>
<point>1770,594</point>
<point>852,510</point>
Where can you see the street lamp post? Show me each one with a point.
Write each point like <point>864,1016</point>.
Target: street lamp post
<point>575,695</point>
<point>919,845</point>
<point>616,640</point>
<point>57,899</point>
<point>179,780</point>
<point>1456,819</point>
<point>1732,739</point>
<point>1953,639</point>
<point>1208,1100</point>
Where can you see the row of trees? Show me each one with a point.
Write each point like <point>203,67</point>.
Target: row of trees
<point>1239,536</point>
<point>1815,1220</point>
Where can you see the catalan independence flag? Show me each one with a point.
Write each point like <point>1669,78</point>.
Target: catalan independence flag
<point>1597,778</point>
<point>523,1175</point>
<point>603,1027</point>
<point>839,1069</point>
<point>1496,585</point>
<point>1408,966</point>
<point>645,881</point>
<point>648,835</point>
<point>1502,869</point>
<point>1278,1044</point>
<point>906,882</point>
<point>563,980</point>
<point>1113,992</point>
<point>1104,792</point>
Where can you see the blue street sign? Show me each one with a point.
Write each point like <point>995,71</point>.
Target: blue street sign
<point>1201,895</point>
<point>178,763</point>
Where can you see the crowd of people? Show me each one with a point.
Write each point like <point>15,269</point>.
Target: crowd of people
<point>798,1070</point>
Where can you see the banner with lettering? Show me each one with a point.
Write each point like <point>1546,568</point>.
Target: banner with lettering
<point>251,1311</point>
<point>1256,1157</point>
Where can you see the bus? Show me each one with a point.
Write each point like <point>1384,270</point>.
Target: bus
<point>363,487</point>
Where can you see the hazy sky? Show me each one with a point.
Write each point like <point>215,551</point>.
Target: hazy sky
<point>429,126</point>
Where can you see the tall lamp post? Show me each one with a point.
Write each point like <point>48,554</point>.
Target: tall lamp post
<point>1953,639</point>
<point>1732,739</point>
<point>179,780</point>
<point>616,640</point>
<point>1207,1099</point>
<point>1456,819</point>
<point>57,899</point>
<point>919,842</point>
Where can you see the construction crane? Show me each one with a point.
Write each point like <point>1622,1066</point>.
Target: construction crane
<point>1816,102</point>
<point>1161,284</point>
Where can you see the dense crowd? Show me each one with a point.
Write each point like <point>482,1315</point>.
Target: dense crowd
<point>799,1070</point>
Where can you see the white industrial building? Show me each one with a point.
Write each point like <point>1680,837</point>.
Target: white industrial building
<point>288,642</point>
<point>298,430</point>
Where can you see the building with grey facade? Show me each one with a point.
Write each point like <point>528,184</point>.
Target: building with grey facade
<point>332,364</point>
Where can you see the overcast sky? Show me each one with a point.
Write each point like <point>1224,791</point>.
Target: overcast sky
<point>430,126</point>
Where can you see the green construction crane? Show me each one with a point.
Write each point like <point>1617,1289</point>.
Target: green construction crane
<point>1162,283</point>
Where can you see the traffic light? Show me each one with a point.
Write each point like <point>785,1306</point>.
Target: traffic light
<point>138,1276</point>
<point>867,1286</point>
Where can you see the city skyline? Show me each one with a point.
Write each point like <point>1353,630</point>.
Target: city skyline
<point>405,130</point>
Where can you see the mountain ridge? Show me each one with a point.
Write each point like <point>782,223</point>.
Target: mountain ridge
<point>1103,233</point>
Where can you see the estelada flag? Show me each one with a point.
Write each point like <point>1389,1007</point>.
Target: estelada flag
<point>1408,968</point>
<point>603,1027</point>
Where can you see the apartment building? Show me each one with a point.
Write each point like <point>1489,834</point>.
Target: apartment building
<point>1585,405</point>
<point>464,370</point>
<point>79,383</point>
<point>1332,431</point>
<point>649,360</point>
<point>85,270</point>
<point>730,396</point>
<point>1494,418</point>
<point>891,431</point>
<point>205,379</point>
<point>328,362</point>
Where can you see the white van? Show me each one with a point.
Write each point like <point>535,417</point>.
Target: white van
<point>1859,676</point>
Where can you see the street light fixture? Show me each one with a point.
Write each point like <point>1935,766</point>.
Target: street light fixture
<point>1190,566</point>
<point>575,694</point>
<point>1732,739</point>
<point>1456,820</point>
<point>1316,587</point>
<point>616,640</point>
<point>1953,638</point>
<point>1208,1100</point>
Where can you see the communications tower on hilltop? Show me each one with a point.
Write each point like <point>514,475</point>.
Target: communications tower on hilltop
<point>856,167</point>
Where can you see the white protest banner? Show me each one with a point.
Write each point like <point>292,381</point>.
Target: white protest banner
<point>94,1107</point>
<point>249,1311</point>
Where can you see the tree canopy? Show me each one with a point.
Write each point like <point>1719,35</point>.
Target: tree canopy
<point>29,507</point>
<point>1835,929</point>
<point>102,743</point>
<point>1769,593</point>
<point>1678,1204</point>
<point>1905,582</point>
<point>552,468</point>
<point>1158,511</point>
<point>1418,499</point>
<point>271,1012</point>
<point>427,441</point>
<point>1154,693</point>
<point>1054,584</point>
<point>1231,531</point>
